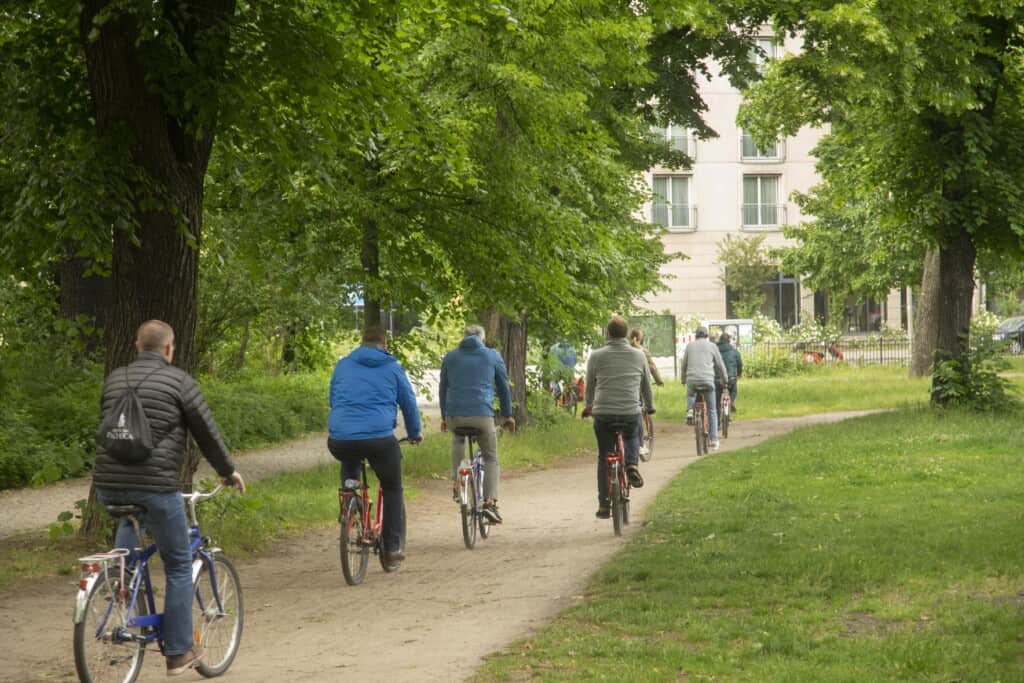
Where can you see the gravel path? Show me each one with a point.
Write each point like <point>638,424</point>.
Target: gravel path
<point>437,618</point>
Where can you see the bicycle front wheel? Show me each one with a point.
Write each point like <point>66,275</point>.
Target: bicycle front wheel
<point>217,615</point>
<point>105,650</point>
<point>615,494</point>
<point>469,511</point>
<point>724,417</point>
<point>355,555</point>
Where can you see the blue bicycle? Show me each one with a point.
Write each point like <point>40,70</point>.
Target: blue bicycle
<point>115,613</point>
<point>471,489</point>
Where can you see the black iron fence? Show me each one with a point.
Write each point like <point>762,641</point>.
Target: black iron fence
<point>854,351</point>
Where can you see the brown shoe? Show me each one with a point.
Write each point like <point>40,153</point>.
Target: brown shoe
<point>179,664</point>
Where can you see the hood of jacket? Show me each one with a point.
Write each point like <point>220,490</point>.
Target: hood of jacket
<point>471,343</point>
<point>372,357</point>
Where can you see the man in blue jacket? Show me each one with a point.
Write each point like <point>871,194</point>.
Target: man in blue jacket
<point>469,375</point>
<point>365,387</point>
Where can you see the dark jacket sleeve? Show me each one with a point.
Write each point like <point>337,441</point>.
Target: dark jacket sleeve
<point>502,386</point>
<point>407,402</point>
<point>442,385</point>
<point>200,422</point>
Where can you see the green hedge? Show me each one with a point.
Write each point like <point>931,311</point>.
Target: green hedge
<point>47,425</point>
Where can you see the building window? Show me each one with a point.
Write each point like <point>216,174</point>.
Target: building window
<point>680,139</point>
<point>867,315</point>
<point>671,207</point>
<point>749,150</point>
<point>781,300</point>
<point>761,206</point>
<point>766,50</point>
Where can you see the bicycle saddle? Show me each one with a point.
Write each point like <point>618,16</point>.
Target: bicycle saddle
<point>618,426</point>
<point>124,510</point>
<point>467,431</point>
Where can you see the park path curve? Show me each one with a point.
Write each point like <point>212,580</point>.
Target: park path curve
<point>435,619</point>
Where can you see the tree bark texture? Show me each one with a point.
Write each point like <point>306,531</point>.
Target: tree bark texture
<point>369,258</point>
<point>165,135</point>
<point>926,317</point>
<point>84,295</point>
<point>510,336</point>
<point>956,296</point>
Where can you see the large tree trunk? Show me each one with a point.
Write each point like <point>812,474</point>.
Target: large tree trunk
<point>369,257</point>
<point>84,295</point>
<point>167,139</point>
<point>510,337</point>
<point>926,317</point>
<point>956,297</point>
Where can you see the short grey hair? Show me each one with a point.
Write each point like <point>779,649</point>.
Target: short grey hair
<point>475,331</point>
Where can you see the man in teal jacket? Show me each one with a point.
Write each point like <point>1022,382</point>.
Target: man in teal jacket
<point>365,387</point>
<point>470,374</point>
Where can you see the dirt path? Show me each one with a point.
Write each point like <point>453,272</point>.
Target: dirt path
<point>432,621</point>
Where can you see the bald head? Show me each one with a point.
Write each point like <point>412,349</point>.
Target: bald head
<point>154,335</point>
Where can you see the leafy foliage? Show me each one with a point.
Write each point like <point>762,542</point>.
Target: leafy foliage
<point>746,265</point>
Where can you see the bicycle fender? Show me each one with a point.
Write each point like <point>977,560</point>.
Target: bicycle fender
<point>83,596</point>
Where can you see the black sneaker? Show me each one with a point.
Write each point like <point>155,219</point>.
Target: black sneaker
<point>393,559</point>
<point>633,474</point>
<point>490,511</point>
<point>603,512</point>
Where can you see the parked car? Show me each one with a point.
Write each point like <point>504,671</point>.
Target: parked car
<point>1011,330</point>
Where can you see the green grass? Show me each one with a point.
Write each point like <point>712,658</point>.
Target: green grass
<point>822,390</point>
<point>884,548</point>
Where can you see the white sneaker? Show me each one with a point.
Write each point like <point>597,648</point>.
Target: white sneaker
<point>644,450</point>
<point>713,445</point>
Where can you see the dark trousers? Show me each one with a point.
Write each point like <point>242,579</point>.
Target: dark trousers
<point>606,444</point>
<point>732,390</point>
<point>385,457</point>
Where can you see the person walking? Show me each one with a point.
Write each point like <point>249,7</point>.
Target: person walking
<point>366,386</point>
<point>174,407</point>
<point>470,375</point>
<point>701,366</point>
<point>618,387</point>
<point>636,340</point>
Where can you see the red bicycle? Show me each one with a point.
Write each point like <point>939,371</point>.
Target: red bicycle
<point>724,412</point>
<point>359,535</point>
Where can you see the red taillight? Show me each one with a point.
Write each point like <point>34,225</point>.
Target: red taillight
<point>90,568</point>
<point>463,473</point>
<point>83,584</point>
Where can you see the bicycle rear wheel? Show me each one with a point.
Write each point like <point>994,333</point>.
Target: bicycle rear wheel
<point>485,524</point>
<point>106,651</point>
<point>217,617</point>
<point>724,418</point>
<point>469,511</point>
<point>698,430</point>
<point>571,402</point>
<point>615,494</point>
<point>355,555</point>
<point>647,443</point>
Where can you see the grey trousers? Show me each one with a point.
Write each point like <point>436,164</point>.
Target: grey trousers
<point>488,445</point>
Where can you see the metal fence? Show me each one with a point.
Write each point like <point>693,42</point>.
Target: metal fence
<point>854,351</point>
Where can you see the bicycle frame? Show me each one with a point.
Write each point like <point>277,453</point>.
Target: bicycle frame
<point>476,464</point>
<point>371,534</point>
<point>615,471</point>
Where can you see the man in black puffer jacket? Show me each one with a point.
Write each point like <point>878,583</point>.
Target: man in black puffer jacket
<point>174,406</point>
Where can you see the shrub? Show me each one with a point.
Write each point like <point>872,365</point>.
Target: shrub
<point>773,361</point>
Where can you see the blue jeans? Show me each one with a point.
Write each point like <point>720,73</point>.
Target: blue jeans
<point>708,390</point>
<point>385,457</point>
<point>606,444</point>
<point>166,521</point>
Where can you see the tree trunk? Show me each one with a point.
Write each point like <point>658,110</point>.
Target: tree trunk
<point>167,139</point>
<point>926,317</point>
<point>84,295</point>
<point>510,337</point>
<point>956,297</point>
<point>369,257</point>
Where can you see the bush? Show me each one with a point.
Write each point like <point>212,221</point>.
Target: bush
<point>772,361</point>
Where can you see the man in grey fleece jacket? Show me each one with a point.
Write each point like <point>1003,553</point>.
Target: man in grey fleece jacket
<point>702,363</point>
<point>618,380</point>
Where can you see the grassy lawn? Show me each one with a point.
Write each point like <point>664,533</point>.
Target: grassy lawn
<point>883,548</point>
<point>821,390</point>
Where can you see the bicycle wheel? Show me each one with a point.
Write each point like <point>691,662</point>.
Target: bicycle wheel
<point>469,511</point>
<point>724,418</point>
<point>354,554</point>
<point>615,495</point>
<point>698,429</point>
<point>647,442</point>
<point>105,651</point>
<point>217,624</point>
<point>571,402</point>
<point>380,547</point>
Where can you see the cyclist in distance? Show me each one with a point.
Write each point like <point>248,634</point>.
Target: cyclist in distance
<point>366,386</point>
<point>733,366</point>
<point>565,369</point>
<point>470,374</point>
<point>701,367</point>
<point>173,407</point>
<point>636,340</point>
<point>617,374</point>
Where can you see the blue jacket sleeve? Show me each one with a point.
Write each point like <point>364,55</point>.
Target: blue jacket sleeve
<point>442,385</point>
<point>501,384</point>
<point>407,402</point>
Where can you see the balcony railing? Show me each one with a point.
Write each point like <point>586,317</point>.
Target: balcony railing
<point>675,217</point>
<point>763,216</point>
